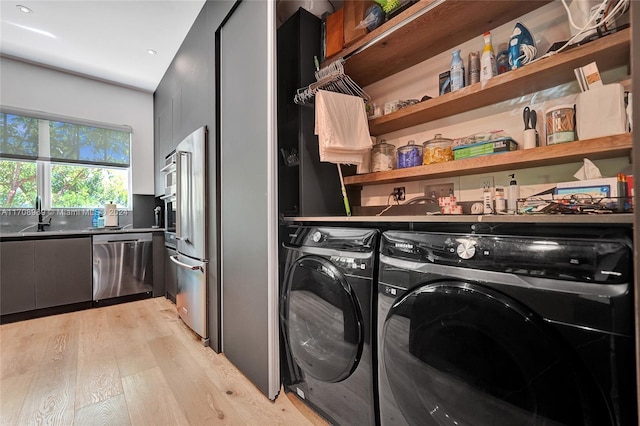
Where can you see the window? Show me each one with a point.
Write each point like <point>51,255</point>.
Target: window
<point>18,187</point>
<point>70,165</point>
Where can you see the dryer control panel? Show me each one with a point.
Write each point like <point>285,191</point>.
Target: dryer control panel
<point>596,261</point>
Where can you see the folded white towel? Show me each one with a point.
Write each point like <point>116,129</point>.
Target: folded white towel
<point>342,128</point>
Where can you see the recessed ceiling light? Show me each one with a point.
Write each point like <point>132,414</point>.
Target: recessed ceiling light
<point>151,52</point>
<point>24,9</point>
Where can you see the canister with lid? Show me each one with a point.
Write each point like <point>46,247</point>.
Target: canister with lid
<point>437,150</point>
<point>560,124</point>
<point>409,155</point>
<point>383,157</point>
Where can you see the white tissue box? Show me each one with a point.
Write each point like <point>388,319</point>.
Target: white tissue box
<point>600,112</point>
<point>597,188</point>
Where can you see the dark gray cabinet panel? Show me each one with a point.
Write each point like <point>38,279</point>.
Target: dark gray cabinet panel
<point>170,274</point>
<point>17,277</point>
<point>158,265</point>
<point>63,272</point>
<point>248,186</point>
<point>163,142</point>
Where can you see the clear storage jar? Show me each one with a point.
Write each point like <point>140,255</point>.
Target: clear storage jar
<point>409,155</point>
<point>437,150</point>
<point>383,157</point>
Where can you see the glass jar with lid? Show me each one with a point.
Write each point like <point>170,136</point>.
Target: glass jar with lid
<point>409,155</point>
<point>437,150</point>
<point>383,157</point>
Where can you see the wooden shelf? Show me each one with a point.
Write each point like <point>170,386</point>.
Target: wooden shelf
<point>605,147</point>
<point>609,52</point>
<point>441,26</point>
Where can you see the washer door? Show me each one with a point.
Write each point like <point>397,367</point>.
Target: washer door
<point>322,321</point>
<point>459,353</point>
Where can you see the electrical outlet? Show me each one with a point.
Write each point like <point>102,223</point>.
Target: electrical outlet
<point>439,190</point>
<point>399,193</point>
<point>486,182</point>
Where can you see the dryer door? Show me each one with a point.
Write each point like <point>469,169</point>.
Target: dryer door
<point>322,320</point>
<point>459,353</point>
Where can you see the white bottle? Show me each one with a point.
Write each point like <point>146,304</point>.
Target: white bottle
<point>512,195</point>
<point>488,64</point>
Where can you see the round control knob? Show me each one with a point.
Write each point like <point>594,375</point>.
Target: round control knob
<point>466,249</point>
<point>317,236</point>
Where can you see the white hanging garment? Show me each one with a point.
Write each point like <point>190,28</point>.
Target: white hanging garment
<point>342,128</point>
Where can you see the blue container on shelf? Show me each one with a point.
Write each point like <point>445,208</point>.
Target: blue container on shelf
<point>409,155</point>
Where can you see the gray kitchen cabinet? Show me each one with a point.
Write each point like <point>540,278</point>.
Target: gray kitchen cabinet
<point>163,142</point>
<point>17,277</point>
<point>158,265</point>
<point>63,271</point>
<point>170,274</point>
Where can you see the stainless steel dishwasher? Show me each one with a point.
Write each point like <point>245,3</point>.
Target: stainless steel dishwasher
<point>122,265</point>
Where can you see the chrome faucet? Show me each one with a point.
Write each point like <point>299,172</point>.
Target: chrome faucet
<point>41,224</point>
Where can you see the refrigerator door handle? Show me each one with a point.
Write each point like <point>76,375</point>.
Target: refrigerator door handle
<point>175,260</point>
<point>183,196</point>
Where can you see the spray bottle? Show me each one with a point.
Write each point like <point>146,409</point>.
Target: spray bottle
<point>488,65</point>
<point>457,71</point>
<point>512,195</point>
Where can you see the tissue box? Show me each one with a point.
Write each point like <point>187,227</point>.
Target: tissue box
<point>596,188</point>
<point>600,112</point>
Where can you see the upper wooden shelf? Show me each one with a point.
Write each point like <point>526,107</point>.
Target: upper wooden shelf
<point>609,52</point>
<point>440,26</point>
<point>605,147</point>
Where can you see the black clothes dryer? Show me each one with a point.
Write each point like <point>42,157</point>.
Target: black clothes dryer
<point>505,330</point>
<point>326,320</point>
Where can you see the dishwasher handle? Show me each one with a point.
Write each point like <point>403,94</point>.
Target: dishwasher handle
<point>135,241</point>
<point>175,260</point>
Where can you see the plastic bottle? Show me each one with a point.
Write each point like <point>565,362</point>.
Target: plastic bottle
<point>488,65</point>
<point>513,195</point>
<point>457,71</point>
<point>94,220</point>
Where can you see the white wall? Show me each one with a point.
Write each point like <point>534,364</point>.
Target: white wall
<point>548,25</point>
<point>37,88</point>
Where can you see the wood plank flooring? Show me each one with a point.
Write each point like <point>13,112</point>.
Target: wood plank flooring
<point>129,364</point>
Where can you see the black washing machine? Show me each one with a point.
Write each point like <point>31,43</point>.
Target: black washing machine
<point>505,330</point>
<point>326,308</point>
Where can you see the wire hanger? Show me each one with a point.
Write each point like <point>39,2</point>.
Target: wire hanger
<point>331,78</point>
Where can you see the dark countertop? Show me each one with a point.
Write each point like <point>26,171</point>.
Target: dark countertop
<point>33,235</point>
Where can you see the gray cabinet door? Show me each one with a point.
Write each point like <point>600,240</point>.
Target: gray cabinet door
<point>63,272</point>
<point>163,142</point>
<point>170,274</point>
<point>159,288</point>
<point>17,277</point>
<point>248,200</point>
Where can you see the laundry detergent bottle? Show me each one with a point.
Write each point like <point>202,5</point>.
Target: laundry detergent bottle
<point>457,71</point>
<point>488,65</point>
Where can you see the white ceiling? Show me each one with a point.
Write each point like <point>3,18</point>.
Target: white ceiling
<point>103,39</point>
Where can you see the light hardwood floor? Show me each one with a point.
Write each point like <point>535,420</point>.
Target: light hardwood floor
<point>134,363</point>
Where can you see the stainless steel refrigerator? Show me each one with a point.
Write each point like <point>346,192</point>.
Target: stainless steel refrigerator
<point>191,224</point>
